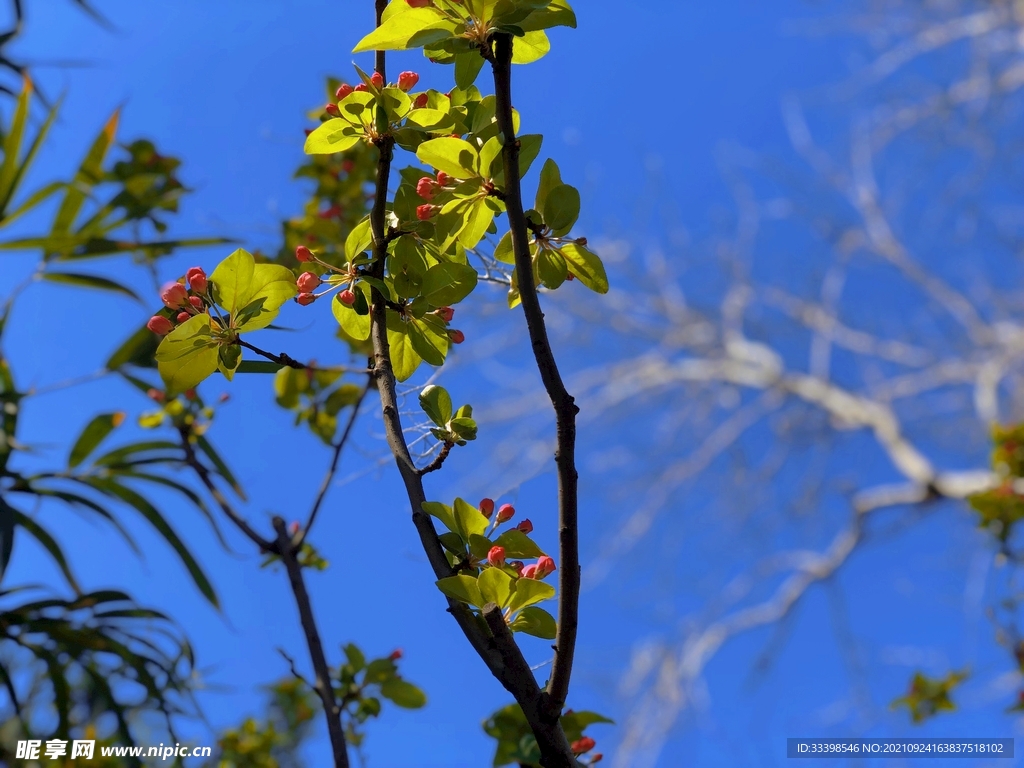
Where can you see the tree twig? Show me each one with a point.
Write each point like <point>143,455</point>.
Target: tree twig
<point>438,460</point>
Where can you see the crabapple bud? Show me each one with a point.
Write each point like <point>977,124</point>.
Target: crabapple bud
<point>308,282</point>
<point>196,302</point>
<point>293,527</point>
<point>597,757</point>
<point>173,295</point>
<point>196,279</point>
<point>343,90</point>
<point>190,394</point>
<point>182,317</point>
<point>160,325</point>
<point>377,79</point>
<point>418,3</point>
<point>421,101</point>
<point>407,81</point>
<point>496,556</point>
<point>529,572</point>
<point>456,336</point>
<point>305,299</point>
<point>505,513</point>
<point>302,253</point>
<point>347,297</point>
<point>445,313</point>
<point>332,109</point>
<point>582,744</point>
<point>396,654</point>
<point>525,527</point>
<point>486,507</point>
<point>426,212</point>
<point>545,565</point>
<point>426,187</point>
<point>361,87</point>
<point>155,394</point>
<point>443,178</point>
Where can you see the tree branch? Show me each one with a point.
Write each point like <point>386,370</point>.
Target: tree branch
<point>563,403</point>
<point>322,680</point>
<point>438,460</point>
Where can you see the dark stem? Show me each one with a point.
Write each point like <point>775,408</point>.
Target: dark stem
<point>564,406</point>
<point>322,680</point>
<point>204,476</point>
<point>290,362</point>
<point>333,469</point>
<point>438,460</point>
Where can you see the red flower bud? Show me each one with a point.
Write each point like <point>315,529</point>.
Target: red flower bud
<point>348,165</point>
<point>361,87</point>
<point>445,313</point>
<point>332,109</point>
<point>597,757</point>
<point>395,654</point>
<point>155,394</point>
<point>196,279</point>
<point>525,527</point>
<point>545,565</point>
<point>160,325</point>
<point>426,212</point>
<point>302,253</point>
<point>196,302</point>
<point>443,178</point>
<point>347,297</point>
<point>173,295</point>
<point>407,81</point>
<point>529,572</point>
<point>582,744</point>
<point>486,507</point>
<point>426,187</point>
<point>418,3</point>
<point>505,513</point>
<point>190,394</point>
<point>308,282</point>
<point>224,397</point>
<point>496,556</point>
<point>456,336</point>
<point>182,317</point>
<point>305,299</point>
<point>343,90</point>
<point>421,101</point>
<point>377,79</point>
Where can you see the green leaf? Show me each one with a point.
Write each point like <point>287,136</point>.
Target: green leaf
<point>456,157</point>
<point>550,177</point>
<point>404,357</point>
<point>88,281</point>
<point>479,546</point>
<point>469,520</point>
<point>448,283</point>
<point>550,267</point>
<point>89,174</point>
<point>429,337</point>
<point>558,13</point>
<point>535,621</point>
<point>495,586</point>
<point>93,434</point>
<point>478,220</point>
<point>357,326</point>
<point>239,282</point>
<point>379,671</point>
<point>403,694</point>
<point>412,28</point>
<point>518,544</point>
<point>503,251</point>
<point>258,366</point>
<point>222,467</point>
<point>359,239</point>
<point>532,46</point>
<point>467,67</point>
<point>561,208</point>
<point>7,517</point>
<point>12,144</point>
<point>529,148</point>
<point>437,404</point>
<point>443,513</point>
<point>586,266</point>
<point>463,588</point>
<point>331,136</point>
<point>187,355</point>
<point>529,592</point>
<point>355,657</point>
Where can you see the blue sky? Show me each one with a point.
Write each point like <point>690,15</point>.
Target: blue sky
<point>640,98</point>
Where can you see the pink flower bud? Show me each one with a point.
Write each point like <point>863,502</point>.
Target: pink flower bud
<point>443,178</point>
<point>421,101</point>
<point>293,527</point>
<point>545,565</point>
<point>418,3</point>
<point>496,556</point>
<point>196,302</point>
<point>377,79</point>
<point>426,212</point>
<point>395,654</point>
<point>173,295</point>
<point>426,187</point>
<point>308,282</point>
<point>347,297</point>
<point>597,757</point>
<point>305,299</point>
<point>361,88</point>
<point>487,507</point>
<point>343,90</point>
<point>160,325</point>
<point>332,109</point>
<point>407,81</point>
<point>302,253</point>
<point>505,513</point>
<point>582,744</point>
<point>182,317</point>
<point>529,572</point>
<point>525,527</point>
<point>456,336</point>
<point>196,279</point>
<point>445,313</point>
<point>155,394</point>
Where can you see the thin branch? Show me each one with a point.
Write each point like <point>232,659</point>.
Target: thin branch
<point>563,403</point>
<point>335,459</point>
<point>290,362</point>
<point>322,681</point>
<point>438,461</point>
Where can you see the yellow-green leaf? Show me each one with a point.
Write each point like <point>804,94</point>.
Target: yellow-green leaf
<point>335,135</point>
<point>410,29</point>
<point>456,157</point>
<point>586,266</point>
<point>239,281</point>
<point>187,355</point>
